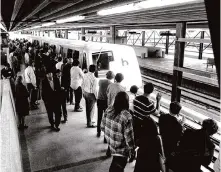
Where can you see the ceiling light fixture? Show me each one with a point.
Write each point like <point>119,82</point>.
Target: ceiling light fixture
<point>48,24</point>
<point>142,5</point>
<point>71,19</point>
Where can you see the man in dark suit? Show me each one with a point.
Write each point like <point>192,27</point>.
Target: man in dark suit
<point>171,128</point>
<point>51,90</point>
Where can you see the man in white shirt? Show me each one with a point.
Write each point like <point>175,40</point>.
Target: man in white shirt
<point>77,77</point>
<point>30,80</point>
<point>59,63</point>
<point>115,88</point>
<point>90,94</point>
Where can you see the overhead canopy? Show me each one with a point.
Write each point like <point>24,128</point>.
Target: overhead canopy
<point>21,14</point>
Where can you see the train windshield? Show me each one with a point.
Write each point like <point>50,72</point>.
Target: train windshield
<point>102,59</point>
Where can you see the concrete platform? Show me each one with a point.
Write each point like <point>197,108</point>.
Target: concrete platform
<point>74,148</point>
<point>166,65</point>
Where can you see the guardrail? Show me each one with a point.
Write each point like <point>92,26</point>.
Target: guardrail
<point>10,147</point>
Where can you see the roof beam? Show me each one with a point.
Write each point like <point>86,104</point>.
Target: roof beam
<point>42,5</point>
<point>88,7</point>
<point>59,8</point>
<point>17,6</point>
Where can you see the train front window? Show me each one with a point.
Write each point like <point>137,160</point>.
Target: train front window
<point>102,59</point>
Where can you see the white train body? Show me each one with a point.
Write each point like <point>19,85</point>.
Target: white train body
<point>121,58</point>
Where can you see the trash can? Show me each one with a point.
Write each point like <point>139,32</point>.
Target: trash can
<point>143,55</point>
<point>163,54</point>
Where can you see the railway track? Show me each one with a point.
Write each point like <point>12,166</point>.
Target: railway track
<point>201,100</point>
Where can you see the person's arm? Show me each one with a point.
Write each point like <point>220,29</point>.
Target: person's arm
<point>95,88</point>
<point>208,156</point>
<point>157,110</point>
<point>81,73</point>
<point>32,78</point>
<point>129,137</point>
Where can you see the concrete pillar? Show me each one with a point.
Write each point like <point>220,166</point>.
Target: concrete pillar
<point>66,34</point>
<point>143,38</point>
<point>167,43</point>
<point>201,46</point>
<point>48,33</point>
<point>113,34</point>
<point>39,33</point>
<point>178,61</point>
<point>83,34</point>
<point>101,38</point>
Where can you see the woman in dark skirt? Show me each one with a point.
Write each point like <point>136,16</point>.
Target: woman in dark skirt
<point>21,102</point>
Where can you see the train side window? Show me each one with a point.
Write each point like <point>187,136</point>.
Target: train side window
<point>102,59</point>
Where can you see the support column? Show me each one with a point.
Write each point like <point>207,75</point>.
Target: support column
<point>83,34</point>
<point>66,34</point>
<point>48,33</point>
<point>167,43</point>
<point>201,46</point>
<point>39,33</point>
<point>101,38</point>
<point>178,61</point>
<point>143,38</point>
<point>113,34</point>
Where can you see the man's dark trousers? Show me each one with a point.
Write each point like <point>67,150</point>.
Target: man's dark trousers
<point>56,110</point>
<point>118,164</point>
<point>102,106</point>
<point>78,97</point>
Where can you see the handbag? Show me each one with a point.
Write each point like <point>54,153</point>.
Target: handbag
<point>162,159</point>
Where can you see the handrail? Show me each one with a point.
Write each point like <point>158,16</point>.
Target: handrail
<point>10,147</point>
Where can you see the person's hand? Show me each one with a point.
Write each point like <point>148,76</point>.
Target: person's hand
<point>132,156</point>
<point>158,97</point>
<point>62,88</point>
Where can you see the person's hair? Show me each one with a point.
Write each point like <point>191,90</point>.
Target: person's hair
<point>76,62</point>
<point>92,68</point>
<point>134,89</point>
<point>110,75</point>
<point>175,107</point>
<point>121,102</point>
<point>57,71</point>
<point>59,59</point>
<point>7,65</point>
<point>30,62</point>
<point>119,77</point>
<point>210,126</point>
<point>65,60</point>
<point>148,88</point>
<point>19,79</point>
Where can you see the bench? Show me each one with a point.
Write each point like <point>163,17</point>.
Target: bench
<point>210,62</point>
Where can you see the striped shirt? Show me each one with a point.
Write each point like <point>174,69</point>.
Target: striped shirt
<point>90,83</point>
<point>118,132</point>
<point>143,106</point>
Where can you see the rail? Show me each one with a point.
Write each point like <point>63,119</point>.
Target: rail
<point>10,147</point>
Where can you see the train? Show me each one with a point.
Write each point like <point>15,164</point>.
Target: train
<point>106,56</point>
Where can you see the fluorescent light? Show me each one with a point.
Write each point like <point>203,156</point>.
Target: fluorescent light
<point>35,27</point>
<point>142,5</point>
<point>48,24</point>
<point>71,19</point>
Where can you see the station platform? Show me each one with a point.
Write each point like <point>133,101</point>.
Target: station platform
<point>74,149</point>
<point>166,65</point>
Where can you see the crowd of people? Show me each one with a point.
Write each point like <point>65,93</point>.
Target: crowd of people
<point>124,117</point>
